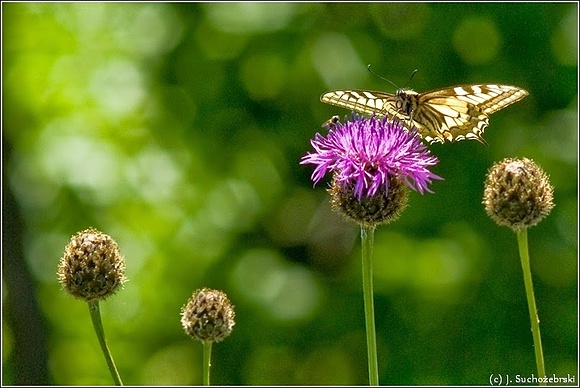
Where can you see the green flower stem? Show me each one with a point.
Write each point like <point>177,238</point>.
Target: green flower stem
<point>206,361</point>
<point>523,246</point>
<point>367,235</point>
<point>98,325</point>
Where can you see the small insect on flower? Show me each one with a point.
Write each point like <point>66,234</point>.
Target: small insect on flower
<point>331,122</point>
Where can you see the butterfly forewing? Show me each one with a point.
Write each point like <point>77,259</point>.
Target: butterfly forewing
<point>360,101</point>
<point>489,98</point>
<point>448,114</point>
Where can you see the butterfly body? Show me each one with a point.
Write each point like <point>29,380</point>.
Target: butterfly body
<point>449,114</point>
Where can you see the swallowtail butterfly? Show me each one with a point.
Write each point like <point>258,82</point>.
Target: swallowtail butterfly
<point>440,115</point>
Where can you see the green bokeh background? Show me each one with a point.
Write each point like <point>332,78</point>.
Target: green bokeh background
<point>178,130</point>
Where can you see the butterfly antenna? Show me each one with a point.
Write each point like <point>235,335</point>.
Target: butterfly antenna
<point>411,77</point>
<point>381,77</point>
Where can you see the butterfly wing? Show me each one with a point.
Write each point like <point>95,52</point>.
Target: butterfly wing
<point>490,97</point>
<point>462,112</point>
<point>364,102</point>
<point>448,114</point>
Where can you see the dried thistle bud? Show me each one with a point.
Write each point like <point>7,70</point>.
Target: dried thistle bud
<point>92,267</point>
<point>517,193</point>
<point>381,208</point>
<point>208,316</point>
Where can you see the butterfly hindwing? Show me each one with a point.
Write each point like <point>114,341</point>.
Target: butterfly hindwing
<point>448,114</point>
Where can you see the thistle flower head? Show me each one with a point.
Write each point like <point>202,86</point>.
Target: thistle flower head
<point>92,267</point>
<point>374,162</point>
<point>517,193</point>
<point>366,152</point>
<point>208,316</point>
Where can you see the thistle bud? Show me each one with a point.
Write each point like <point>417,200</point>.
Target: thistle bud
<point>208,316</point>
<point>517,193</point>
<point>92,267</point>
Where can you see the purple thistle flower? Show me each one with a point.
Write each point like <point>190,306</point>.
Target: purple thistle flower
<point>366,151</point>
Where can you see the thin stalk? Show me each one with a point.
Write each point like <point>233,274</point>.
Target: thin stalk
<point>367,240</point>
<point>525,258</point>
<point>206,361</point>
<point>98,325</point>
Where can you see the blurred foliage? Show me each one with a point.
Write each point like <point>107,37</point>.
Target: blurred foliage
<point>177,128</point>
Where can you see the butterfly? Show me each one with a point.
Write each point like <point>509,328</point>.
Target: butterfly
<point>449,114</point>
